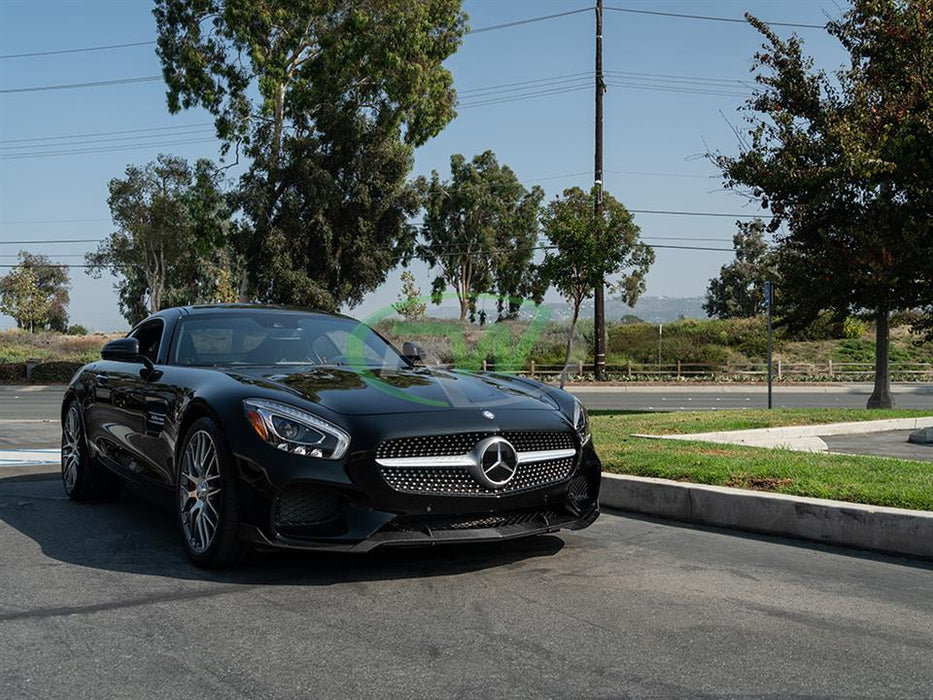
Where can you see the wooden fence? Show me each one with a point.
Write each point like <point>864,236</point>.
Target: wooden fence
<point>782,371</point>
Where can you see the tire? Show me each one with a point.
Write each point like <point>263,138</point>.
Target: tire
<point>82,477</point>
<point>206,507</point>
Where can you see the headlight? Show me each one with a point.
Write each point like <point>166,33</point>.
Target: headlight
<point>581,421</point>
<point>293,430</point>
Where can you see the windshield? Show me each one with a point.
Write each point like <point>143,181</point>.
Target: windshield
<point>264,338</point>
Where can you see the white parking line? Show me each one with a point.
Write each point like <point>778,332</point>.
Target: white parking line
<point>24,458</point>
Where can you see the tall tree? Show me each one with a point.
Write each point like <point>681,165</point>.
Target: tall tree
<point>588,250</point>
<point>172,227</point>
<point>480,229</point>
<point>22,297</point>
<point>327,98</point>
<point>52,283</point>
<point>738,292</point>
<point>846,162</point>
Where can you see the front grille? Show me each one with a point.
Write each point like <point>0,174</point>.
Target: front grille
<point>301,505</point>
<point>461,443</point>
<point>457,481</point>
<point>478,521</point>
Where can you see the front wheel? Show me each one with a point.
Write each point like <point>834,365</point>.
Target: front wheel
<point>83,479</point>
<point>206,503</point>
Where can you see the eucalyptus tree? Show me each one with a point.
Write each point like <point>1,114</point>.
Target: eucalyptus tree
<point>480,233</point>
<point>171,237</point>
<point>327,99</point>
<point>738,291</point>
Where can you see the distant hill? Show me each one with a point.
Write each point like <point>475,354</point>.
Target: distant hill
<point>651,309</point>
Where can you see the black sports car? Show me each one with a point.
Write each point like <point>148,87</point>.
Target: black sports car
<point>274,427</point>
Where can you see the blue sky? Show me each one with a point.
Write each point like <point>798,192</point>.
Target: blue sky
<point>654,139</point>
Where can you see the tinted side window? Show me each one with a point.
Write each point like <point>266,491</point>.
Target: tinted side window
<point>149,337</point>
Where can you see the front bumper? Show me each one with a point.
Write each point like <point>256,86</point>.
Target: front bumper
<point>539,524</point>
<point>296,502</point>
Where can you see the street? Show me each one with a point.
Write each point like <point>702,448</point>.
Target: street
<point>100,602</point>
<point>44,402</point>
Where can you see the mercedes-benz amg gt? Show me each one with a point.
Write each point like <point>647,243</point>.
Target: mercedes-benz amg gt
<point>278,428</point>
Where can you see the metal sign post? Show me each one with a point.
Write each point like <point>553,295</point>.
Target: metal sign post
<point>768,303</point>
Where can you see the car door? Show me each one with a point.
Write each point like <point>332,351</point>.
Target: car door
<point>119,410</point>
<point>146,400</point>
<point>113,414</point>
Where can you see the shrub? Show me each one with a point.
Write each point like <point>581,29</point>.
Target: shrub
<point>76,329</point>
<point>853,328</point>
<point>12,373</point>
<point>54,372</point>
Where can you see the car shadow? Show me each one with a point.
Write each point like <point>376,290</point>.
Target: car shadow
<point>133,534</point>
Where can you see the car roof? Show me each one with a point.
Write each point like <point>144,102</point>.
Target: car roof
<point>197,309</point>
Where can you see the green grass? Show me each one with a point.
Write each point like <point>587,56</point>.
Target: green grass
<point>874,480</point>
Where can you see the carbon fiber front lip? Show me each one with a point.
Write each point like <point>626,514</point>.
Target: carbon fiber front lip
<point>254,535</point>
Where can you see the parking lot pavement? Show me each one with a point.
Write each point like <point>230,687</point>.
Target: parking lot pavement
<point>24,434</point>
<point>892,443</point>
<point>98,601</point>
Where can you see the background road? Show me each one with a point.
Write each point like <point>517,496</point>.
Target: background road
<point>38,402</point>
<point>101,603</point>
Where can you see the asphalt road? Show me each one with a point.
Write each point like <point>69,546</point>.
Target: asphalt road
<point>37,402</point>
<point>892,443</point>
<point>719,397</point>
<point>98,601</point>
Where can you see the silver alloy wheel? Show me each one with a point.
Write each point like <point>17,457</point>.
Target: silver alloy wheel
<point>71,448</point>
<point>199,491</point>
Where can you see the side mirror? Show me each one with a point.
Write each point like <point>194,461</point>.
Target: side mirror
<point>121,350</point>
<point>413,352</point>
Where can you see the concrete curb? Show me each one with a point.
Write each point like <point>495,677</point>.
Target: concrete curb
<point>888,530</point>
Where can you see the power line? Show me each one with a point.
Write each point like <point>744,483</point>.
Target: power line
<point>639,173</point>
<point>132,44</point>
<point>108,149</point>
<point>107,133</point>
<point>54,240</point>
<point>56,52</point>
<point>140,139</point>
<point>529,20</point>
<point>680,78</point>
<point>95,83</point>
<point>693,247</point>
<point>527,96</point>
<point>477,30</point>
<point>700,213</point>
<point>48,221</point>
<point>680,90</point>
<point>525,83</point>
<point>65,255</point>
<point>708,18</point>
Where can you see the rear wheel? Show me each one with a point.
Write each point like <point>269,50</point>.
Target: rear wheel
<point>83,479</point>
<point>206,502</point>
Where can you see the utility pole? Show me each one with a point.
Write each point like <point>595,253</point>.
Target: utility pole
<point>769,302</point>
<point>599,307</point>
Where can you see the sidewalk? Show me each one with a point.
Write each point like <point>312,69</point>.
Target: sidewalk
<point>801,438</point>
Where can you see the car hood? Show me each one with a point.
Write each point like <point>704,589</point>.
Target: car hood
<point>352,391</point>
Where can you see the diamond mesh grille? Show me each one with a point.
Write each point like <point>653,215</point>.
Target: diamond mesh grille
<point>457,481</point>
